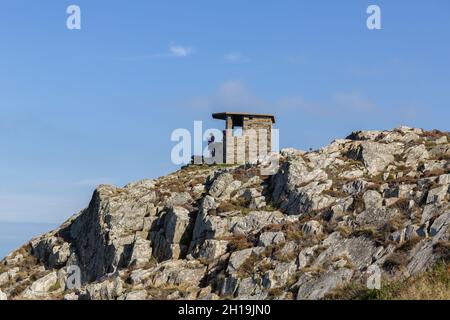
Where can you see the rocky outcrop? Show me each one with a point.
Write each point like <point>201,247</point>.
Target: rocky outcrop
<point>377,199</point>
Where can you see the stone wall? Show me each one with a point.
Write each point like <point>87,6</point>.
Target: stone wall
<point>256,141</point>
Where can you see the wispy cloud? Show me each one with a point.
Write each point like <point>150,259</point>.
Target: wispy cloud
<point>235,57</point>
<point>173,51</point>
<point>180,50</point>
<point>231,95</point>
<point>236,96</point>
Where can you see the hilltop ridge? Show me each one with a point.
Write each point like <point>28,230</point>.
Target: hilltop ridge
<point>376,201</point>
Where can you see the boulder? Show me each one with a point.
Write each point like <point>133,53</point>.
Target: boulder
<point>178,199</point>
<point>109,289</point>
<point>172,240</point>
<point>312,227</point>
<point>237,258</point>
<point>134,295</point>
<point>372,199</point>
<point>437,195</point>
<point>444,179</point>
<point>439,228</point>
<point>59,255</point>
<point>355,186</point>
<point>249,289</point>
<point>313,287</point>
<point>223,186</point>
<point>141,252</point>
<point>374,155</point>
<point>42,286</point>
<point>8,277</point>
<point>103,234</point>
<point>415,154</point>
<point>177,272</point>
<point>210,250</point>
<point>358,251</point>
<point>3,296</point>
<point>290,176</point>
<point>271,238</point>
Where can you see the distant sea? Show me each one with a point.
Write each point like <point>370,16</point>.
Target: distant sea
<point>13,235</point>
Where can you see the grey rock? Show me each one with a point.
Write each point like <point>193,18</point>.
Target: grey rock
<point>141,252</point>
<point>376,217</point>
<point>229,286</point>
<point>223,186</point>
<point>177,272</point>
<point>41,287</point>
<point>312,287</point>
<point>441,140</point>
<point>375,156</point>
<point>210,250</point>
<point>372,199</point>
<point>59,255</point>
<point>178,199</point>
<point>71,296</point>
<point>176,225</point>
<point>134,295</point>
<point>139,276</point>
<point>104,232</point>
<point>3,296</point>
<point>355,186</point>
<point>444,179</point>
<point>359,251</point>
<point>306,256</point>
<point>437,195</point>
<point>415,154</point>
<point>312,227</point>
<point>271,238</point>
<point>109,289</point>
<point>249,289</point>
<point>237,258</point>
<point>439,229</point>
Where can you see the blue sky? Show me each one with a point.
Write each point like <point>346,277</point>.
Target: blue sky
<point>98,105</point>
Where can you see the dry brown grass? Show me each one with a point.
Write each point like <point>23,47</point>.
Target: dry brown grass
<point>431,285</point>
<point>408,245</point>
<point>358,205</point>
<point>434,173</point>
<point>434,134</point>
<point>442,248</point>
<point>247,268</point>
<point>335,193</point>
<point>441,156</point>
<point>396,260</point>
<point>403,180</point>
<point>237,243</point>
<point>366,231</point>
<point>434,285</point>
<point>401,204</point>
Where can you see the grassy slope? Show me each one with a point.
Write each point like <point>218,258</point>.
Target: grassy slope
<point>432,285</point>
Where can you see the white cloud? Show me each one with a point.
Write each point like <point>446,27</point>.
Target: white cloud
<point>231,96</point>
<point>179,50</point>
<point>236,96</point>
<point>173,51</point>
<point>235,57</point>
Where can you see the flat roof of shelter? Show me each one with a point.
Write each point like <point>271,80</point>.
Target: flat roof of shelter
<point>223,115</point>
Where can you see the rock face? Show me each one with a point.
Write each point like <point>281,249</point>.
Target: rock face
<point>377,199</point>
